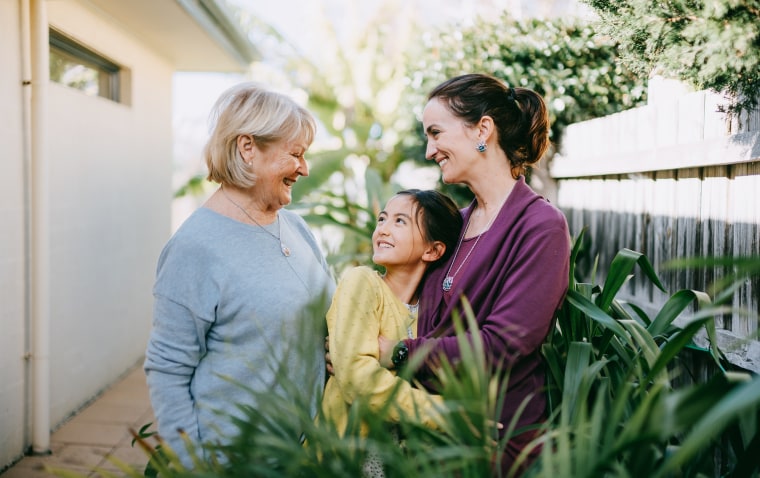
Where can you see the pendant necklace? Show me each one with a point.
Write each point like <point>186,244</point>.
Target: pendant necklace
<point>285,249</point>
<point>448,281</point>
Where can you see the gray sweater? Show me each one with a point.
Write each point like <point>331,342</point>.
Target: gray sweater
<point>230,312</point>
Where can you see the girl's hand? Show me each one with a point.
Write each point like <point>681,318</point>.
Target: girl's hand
<point>386,350</point>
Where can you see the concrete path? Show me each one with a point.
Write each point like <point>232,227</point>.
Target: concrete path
<point>100,430</point>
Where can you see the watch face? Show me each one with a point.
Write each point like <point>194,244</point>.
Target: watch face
<point>400,354</point>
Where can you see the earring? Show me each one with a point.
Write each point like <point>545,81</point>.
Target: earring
<point>481,146</point>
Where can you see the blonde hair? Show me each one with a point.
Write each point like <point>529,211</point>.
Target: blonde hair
<point>250,109</point>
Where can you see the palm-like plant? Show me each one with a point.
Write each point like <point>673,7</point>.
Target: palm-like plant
<point>616,410</point>
<point>616,406</point>
<point>354,83</point>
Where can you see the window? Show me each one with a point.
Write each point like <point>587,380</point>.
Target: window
<point>76,66</point>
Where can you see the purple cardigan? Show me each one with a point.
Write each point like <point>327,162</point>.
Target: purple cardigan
<point>515,279</point>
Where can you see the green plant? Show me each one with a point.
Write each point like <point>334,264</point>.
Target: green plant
<point>367,92</point>
<point>269,443</point>
<point>155,454</point>
<point>567,61</point>
<point>711,45</point>
<point>615,408</point>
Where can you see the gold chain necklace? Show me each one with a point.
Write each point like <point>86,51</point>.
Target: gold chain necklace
<point>285,249</point>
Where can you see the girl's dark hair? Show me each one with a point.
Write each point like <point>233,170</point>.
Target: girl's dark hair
<point>519,114</point>
<point>437,217</point>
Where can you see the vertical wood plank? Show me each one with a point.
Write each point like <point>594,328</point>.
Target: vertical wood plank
<point>714,210</point>
<point>666,124</point>
<point>745,210</point>
<point>663,230</point>
<point>688,227</point>
<point>691,118</point>
<point>717,122</point>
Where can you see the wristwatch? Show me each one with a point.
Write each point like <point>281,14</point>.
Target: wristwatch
<point>400,354</point>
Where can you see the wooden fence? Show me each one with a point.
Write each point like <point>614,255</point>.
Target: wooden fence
<point>671,180</point>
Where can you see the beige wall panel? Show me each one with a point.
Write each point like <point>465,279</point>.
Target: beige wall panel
<point>111,194</point>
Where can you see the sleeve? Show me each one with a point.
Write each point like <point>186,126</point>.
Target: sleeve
<point>520,317</point>
<point>175,348</point>
<point>354,325</point>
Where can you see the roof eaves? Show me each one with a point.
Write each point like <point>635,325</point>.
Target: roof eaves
<point>218,21</point>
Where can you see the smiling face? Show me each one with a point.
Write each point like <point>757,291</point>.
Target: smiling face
<point>397,239</point>
<point>450,142</point>
<point>277,168</point>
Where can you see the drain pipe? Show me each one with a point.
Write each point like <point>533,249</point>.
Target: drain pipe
<point>40,229</point>
<point>26,134</point>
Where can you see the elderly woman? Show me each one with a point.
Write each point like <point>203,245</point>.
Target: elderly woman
<point>241,287</point>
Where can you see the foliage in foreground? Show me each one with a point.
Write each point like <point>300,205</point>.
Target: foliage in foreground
<point>615,407</point>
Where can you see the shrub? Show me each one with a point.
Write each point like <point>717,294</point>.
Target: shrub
<point>616,408</point>
<point>711,45</point>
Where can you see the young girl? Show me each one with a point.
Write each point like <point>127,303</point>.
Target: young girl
<point>416,230</point>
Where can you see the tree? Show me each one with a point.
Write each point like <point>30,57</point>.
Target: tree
<point>709,44</point>
<point>568,62</point>
<point>367,91</point>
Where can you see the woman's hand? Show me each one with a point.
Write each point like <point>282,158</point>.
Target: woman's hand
<point>328,362</point>
<point>386,351</point>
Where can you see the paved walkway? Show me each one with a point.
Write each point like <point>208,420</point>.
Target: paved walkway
<point>100,430</point>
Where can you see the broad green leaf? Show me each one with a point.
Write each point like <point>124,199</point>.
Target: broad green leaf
<point>595,313</point>
<point>555,365</point>
<point>647,346</point>
<point>578,357</point>
<point>577,245</point>
<point>646,421</point>
<point>619,272</point>
<point>674,307</point>
<point>675,345</point>
<point>744,398</point>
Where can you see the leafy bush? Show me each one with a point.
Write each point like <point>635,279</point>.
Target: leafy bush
<point>567,61</point>
<point>712,45</point>
<point>616,408</point>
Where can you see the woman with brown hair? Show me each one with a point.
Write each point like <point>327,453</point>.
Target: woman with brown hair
<point>512,260</point>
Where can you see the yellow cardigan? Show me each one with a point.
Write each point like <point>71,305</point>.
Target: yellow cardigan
<point>364,307</point>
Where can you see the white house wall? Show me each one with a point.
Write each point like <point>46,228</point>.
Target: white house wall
<point>13,314</point>
<point>110,189</point>
<point>111,194</point>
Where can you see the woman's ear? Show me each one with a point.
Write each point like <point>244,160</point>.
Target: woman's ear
<point>486,128</point>
<point>435,251</point>
<point>246,147</point>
